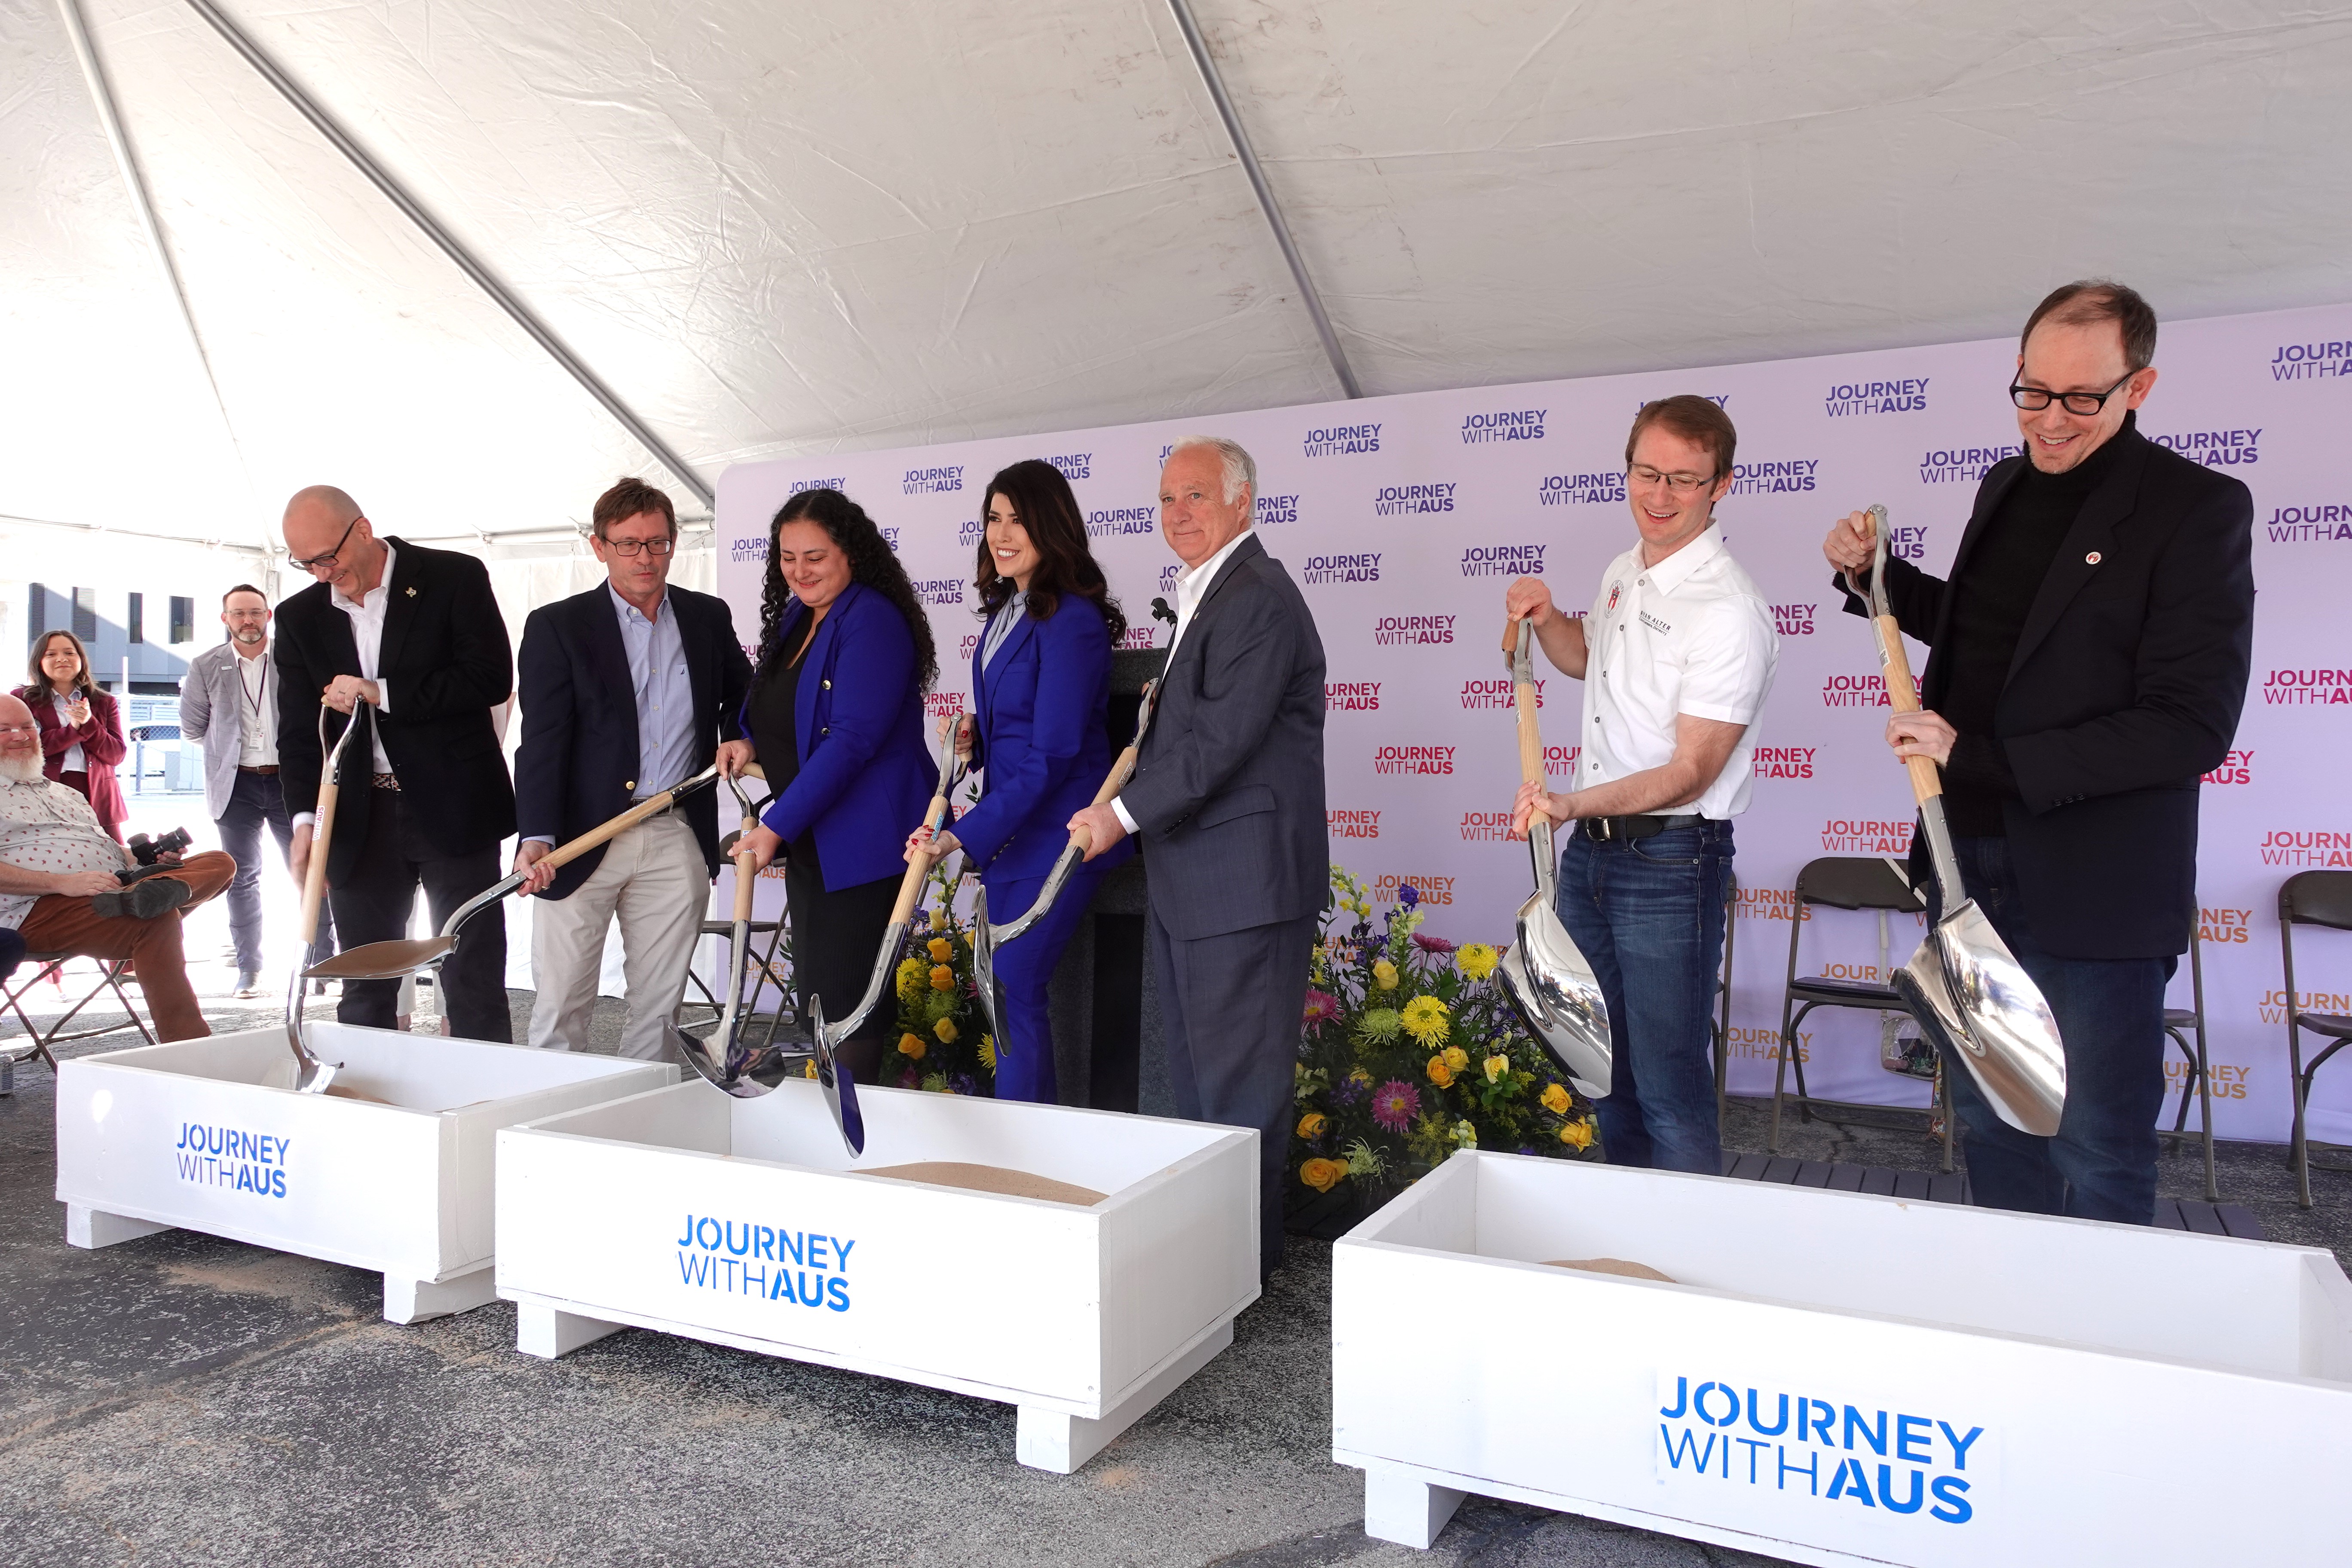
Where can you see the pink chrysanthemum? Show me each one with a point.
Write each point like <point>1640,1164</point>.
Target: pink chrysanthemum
<point>1432,943</point>
<point>1321,1006</point>
<point>1395,1104</point>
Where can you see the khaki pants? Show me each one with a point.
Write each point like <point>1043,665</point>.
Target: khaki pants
<point>653,879</point>
<point>59,924</point>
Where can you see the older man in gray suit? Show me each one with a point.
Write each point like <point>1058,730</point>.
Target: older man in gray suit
<point>228,705</point>
<point>1228,799</point>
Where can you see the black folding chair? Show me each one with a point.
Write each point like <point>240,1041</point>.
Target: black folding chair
<point>2181,1023</point>
<point>2311,899</point>
<point>1845,882</point>
<point>39,1042</point>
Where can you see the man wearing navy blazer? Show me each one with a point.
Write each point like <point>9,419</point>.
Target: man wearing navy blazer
<point>1227,798</point>
<point>626,690</point>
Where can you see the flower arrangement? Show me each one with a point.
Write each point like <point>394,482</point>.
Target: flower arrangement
<point>1409,1049</point>
<point>942,1045</point>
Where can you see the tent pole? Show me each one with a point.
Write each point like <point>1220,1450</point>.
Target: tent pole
<point>1232,117</point>
<point>102,97</point>
<point>499,294</point>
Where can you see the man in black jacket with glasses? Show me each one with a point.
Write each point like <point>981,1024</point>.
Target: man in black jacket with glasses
<point>2088,658</point>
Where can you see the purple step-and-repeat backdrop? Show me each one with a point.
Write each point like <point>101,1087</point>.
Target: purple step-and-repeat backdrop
<point>1403,518</point>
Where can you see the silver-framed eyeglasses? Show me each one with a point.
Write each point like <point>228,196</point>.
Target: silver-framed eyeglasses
<point>626,549</point>
<point>315,562</point>
<point>2082,404</point>
<point>1680,484</point>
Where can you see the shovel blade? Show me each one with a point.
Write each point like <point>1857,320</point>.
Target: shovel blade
<point>383,960</point>
<point>1548,979</point>
<point>2018,1059</point>
<point>840,1088</point>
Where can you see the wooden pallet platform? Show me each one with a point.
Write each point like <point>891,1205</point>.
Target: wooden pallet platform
<point>2171,1213</point>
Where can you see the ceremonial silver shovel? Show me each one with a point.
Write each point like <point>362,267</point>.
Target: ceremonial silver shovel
<point>312,1075</point>
<point>1544,972</point>
<point>987,938</point>
<point>750,1071</point>
<point>1963,984</point>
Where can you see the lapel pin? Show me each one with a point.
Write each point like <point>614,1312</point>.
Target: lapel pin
<point>412,592</point>
<point>2090,560</point>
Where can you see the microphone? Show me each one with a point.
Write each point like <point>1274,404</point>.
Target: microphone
<point>1161,612</point>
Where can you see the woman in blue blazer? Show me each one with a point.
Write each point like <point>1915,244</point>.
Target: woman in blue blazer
<point>836,717</point>
<point>1039,730</point>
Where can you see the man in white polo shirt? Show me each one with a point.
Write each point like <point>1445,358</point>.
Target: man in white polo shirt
<point>1676,662</point>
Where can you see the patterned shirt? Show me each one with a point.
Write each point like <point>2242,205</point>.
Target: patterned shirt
<point>45,826</point>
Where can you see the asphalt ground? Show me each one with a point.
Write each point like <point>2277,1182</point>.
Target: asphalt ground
<point>184,1399</point>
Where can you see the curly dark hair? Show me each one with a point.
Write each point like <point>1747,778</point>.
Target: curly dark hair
<point>1042,499</point>
<point>870,563</point>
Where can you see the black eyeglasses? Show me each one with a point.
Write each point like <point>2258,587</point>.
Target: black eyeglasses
<point>628,548</point>
<point>2033,399</point>
<point>315,562</point>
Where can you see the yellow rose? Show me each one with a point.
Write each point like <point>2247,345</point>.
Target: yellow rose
<point>1495,1067</point>
<point>1322,1174</point>
<point>911,1046</point>
<point>1311,1125</point>
<point>1476,961</point>
<point>1441,1072</point>
<point>808,1068</point>
<point>942,978</point>
<point>940,950</point>
<point>1357,1075</point>
<point>946,1030</point>
<point>1555,1099</point>
<point>1384,975</point>
<point>1457,1058</point>
<point>1578,1134</point>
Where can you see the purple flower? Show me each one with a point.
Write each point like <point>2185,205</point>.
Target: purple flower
<point>1408,895</point>
<point>1347,1091</point>
<point>963,1083</point>
<point>1432,943</point>
<point>1321,1006</point>
<point>1394,1105</point>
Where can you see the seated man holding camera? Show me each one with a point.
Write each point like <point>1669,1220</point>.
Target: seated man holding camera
<point>60,890</point>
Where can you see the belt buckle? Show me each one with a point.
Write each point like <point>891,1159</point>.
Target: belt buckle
<point>1600,829</point>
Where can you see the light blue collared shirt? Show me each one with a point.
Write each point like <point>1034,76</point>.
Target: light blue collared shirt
<point>665,694</point>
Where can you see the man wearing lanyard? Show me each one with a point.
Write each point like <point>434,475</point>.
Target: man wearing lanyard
<point>1677,664</point>
<point>408,642</point>
<point>229,700</point>
<point>626,690</point>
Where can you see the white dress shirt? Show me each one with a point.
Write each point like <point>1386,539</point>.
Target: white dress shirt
<point>256,715</point>
<point>1191,584</point>
<point>367,615</point>
<point>1690,635</point>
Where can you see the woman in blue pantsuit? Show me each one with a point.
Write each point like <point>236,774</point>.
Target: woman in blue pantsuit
<point>1039,732</point>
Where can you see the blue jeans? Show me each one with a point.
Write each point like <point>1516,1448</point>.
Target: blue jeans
<point>255,802</point>
<point>2110,1013</point>
<point>1648,913</point>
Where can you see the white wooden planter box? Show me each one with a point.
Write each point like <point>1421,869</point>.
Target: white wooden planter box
<point>209,1135</point>
<point>745,1222</point>
<point>1931,1385</point>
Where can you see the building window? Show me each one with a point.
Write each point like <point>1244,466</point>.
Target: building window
<point>184,619</point>
<point>85,614</point>
<point>138,618</point>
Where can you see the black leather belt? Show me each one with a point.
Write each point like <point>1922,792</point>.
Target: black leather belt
<point>1608,830</point>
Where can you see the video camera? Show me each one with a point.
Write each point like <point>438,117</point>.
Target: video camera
<point>148,851</point>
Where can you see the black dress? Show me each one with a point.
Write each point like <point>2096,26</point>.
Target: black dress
<point>835,932</point>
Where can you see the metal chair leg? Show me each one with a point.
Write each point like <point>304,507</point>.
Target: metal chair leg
<point>2298,1156</point>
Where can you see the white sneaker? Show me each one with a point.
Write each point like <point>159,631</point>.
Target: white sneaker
<point>247,986</point>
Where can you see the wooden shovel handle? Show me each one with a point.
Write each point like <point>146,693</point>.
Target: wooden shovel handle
<point>1894,664</point>
<point>910,885</point>
<point>1120,772</point>
<point>1531,755</point>
<point>564,854</point>
<point>746,871</point>
<point>314,875</point>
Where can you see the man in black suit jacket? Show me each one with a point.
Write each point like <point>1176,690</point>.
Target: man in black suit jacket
<point>1228,799</point>
<point>626,690</point>
<point>409,643</point>
<point>2088,660</point>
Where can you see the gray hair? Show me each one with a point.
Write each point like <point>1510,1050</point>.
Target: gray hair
<point>1241,468</point>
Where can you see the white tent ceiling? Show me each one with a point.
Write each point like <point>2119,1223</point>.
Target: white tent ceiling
<point>856,223</point>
